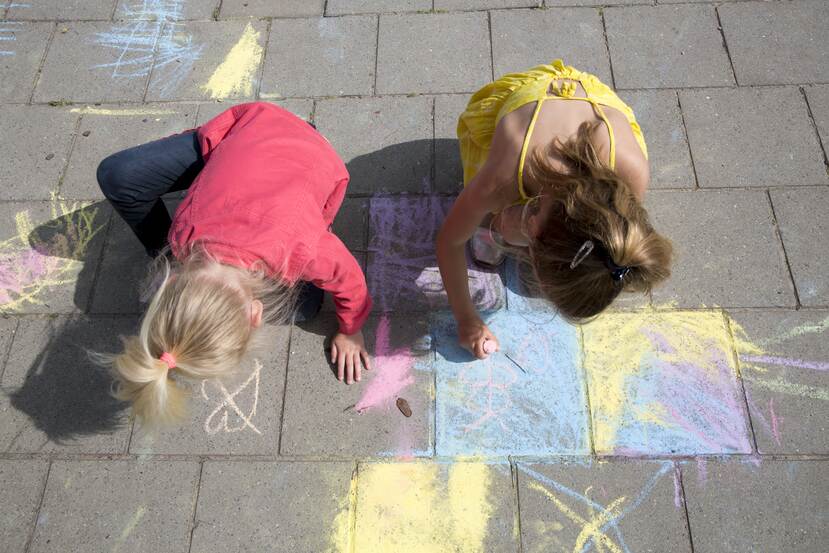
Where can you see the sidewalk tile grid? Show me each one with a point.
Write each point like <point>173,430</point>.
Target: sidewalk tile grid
<point>691,418</point>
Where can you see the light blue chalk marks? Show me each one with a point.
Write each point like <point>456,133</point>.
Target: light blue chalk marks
<point>7,37</point>
<point>402,269</point>
<point>522,300</point>
<point>151,37</point>
<point>527,399</point>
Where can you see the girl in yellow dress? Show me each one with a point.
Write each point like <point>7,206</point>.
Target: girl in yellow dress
<point>555,169</point>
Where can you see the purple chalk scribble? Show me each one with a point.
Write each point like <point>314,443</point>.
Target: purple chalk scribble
<point>402,269</point>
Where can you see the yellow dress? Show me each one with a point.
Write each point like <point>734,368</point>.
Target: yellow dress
<point>476,125</point>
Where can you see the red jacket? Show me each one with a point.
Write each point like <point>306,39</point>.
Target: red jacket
<point>269,190</point>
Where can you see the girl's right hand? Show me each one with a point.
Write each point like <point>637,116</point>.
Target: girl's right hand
<point>472,335</point>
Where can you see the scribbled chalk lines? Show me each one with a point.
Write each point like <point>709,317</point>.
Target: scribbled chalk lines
<point>7,35</point>
<point>601,518</point>
<point>151,31</point>
<point>227,403</point>
<point>27,270</point>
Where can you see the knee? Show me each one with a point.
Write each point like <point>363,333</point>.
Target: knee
<point>111,175</point>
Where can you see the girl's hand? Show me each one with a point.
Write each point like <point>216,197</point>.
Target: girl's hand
<point>472,336</point>
<point>350,355</point>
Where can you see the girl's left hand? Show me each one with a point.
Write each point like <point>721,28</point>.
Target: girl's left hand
<point>350,355</point>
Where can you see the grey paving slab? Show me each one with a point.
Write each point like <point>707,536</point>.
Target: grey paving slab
<point>761,506</point>
<point>424,506</point>
<point>557,3</point>
<point>664,383</point>
<point>300,108</point>
<point>433,53</point>
<point>61,9</point>
<point>8,325</point>
<point>324,416</point>
<point>818,97</point>
<point>21,487</point>
<point>484,4</point>
<point>801,216</point>
<point>726,252</point>
<point>752,137</point>
<point>49,253</point>
<point>777,42</point>
<point>55,398</point>
<point>317,520</point>
<point>657,112</point>
<point>34,146</point>
<point>385,142</point>
<point>602,505</point>
<point>666,46</point>
<point>783,356</point>
<point>448,167</point>
<point>22,46</point>
<point>208,60</point>
<point>237,416</point>
<point>171,10</point>
<point>351,223</point>
<point>126,506</point>
<point>124,269</point>
<point>98,62</point>
<point>342,7</point>
<point>321,57</point>
<point>269,8</point>
<point>104,131</point>
<point>522,39</point>
<point>402,272</point>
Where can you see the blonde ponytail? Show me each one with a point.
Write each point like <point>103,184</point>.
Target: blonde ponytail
<point>200,314</point>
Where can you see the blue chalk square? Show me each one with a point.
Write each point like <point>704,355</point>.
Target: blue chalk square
<point>527,399</point>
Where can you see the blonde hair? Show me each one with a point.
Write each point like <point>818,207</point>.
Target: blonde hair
<point>199,318</point>
<point>590,201</point>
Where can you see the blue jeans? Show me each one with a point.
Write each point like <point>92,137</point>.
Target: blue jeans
<point>135,179</point>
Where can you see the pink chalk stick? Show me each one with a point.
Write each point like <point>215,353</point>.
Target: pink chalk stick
<point>489,346</point>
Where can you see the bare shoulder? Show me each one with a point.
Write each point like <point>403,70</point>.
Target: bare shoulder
<point>505,153</point>
<point>633,167</point>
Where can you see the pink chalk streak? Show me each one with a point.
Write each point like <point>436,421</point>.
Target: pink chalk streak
<point>393,372</point>
<point>786,362</point>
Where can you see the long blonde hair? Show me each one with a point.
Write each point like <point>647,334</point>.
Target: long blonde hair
<point>591,202</point>
<point>202,321</point>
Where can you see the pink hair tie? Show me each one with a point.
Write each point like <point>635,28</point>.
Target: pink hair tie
<point>169,359</point>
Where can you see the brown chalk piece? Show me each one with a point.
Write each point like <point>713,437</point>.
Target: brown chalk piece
<point>403,405</point>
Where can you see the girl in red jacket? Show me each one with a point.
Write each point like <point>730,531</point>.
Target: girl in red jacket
<point>252,233</point>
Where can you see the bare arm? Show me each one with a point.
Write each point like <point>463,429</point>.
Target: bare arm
<point>477,200</point>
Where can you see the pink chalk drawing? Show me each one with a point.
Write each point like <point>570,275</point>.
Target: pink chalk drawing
<point>227,404</point>
<point>774,430</point>
<point>402,270</point>
<point>495,386</point>
<point>393,371</point>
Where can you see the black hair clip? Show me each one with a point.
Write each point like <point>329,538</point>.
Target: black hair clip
<point>617,272</point>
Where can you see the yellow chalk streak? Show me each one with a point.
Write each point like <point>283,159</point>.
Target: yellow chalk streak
<point>423,508</point>
<point>590,530</point>
<point>128,529</point>
<point>618,347</point>
<point>122,112</point>
<point>342,534</point>
<point>235,74</point>
<point>791,388</point>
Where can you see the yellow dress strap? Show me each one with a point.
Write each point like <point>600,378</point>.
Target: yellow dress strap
<point>611,136</point>
<point>524,149</point>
